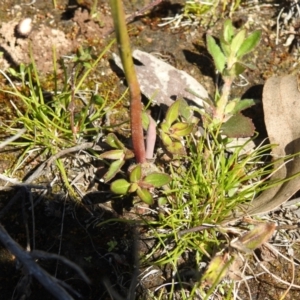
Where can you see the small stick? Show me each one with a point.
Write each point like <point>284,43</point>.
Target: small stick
<point>195,229</point>
<point>50,160</point>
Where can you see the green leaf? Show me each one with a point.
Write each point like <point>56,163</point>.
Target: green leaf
<point>238,126</point>
<point>13,72</point>
<point>133,187</point>
<point>230,107</point>
<point>181,129</point>
<point>243,104</point>
<point>225,47</point>
<point>128,154</point>
<point>172,113</point>
<point>162,201</point>
<point>136,174</point>
<point>157,179</point>
<point>216,53</point>
<point>248,66</point>
<point>165,139</point>
<point>113,154</point>
<point>237,69</point>
<point>114,142</point>
<point>228,31</point>
<point>237,41</point>
<point>145,196</point>
<point>114,168</point>
<point>165,127</point>
<point>120,186</point>
<point>98,100</point>
<point>176,148</point>
<point>145,120</point>
<point>185,110</point>
<point>249,43</point>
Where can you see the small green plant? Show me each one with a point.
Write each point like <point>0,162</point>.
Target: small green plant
<point>140,183</point>
<point>172,132</point>
<point>194,12</point>
<point>52,121</point>
<point>112,245</point>
<point>120,154</point>
<point>230,63</point>
<point>211,178</point>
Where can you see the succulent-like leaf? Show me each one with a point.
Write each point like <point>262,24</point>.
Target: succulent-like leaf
<point>216,53</point>
<point>128,154</point>
<point>112,154</point>
<point>113,141</point>
<point>238,126</point>
<point>237,41</point>
<point>136,173</point>
<point>157,179</point>
<point>164,126</point>
<point>133,187</point>
<point>114,168</point>
<point>181,129</point>
<point>249,43</point>
<point>172,113</point>
<point>145,196</point>
<point>254,238</point>
<point>120,186</point>
<point>165,139</point>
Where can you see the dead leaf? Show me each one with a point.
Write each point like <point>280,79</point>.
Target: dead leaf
<point>162,82</point>
<point>254,238</point>
<point>234,270</point>
<point>268,252</point>
<point>281,103</point>
<point>217,269</point>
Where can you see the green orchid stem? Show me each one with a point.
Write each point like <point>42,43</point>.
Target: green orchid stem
<point>130,74</point>
<point>222,102</point>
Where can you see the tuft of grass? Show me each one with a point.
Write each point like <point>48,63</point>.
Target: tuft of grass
<point>54,120</point>
<point>194,11</point>
<point>208,185</point>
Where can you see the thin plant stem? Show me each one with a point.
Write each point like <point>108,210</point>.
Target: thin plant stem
<point>130,74</point>
<point>223,101</point>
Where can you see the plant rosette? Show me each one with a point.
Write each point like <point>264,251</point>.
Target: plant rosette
<point>140,183</point>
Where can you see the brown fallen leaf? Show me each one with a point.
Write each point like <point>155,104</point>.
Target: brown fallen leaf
<point>281,103</point>
<point>161,82</point>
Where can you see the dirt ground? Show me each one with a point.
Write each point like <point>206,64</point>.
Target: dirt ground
<point>108,253</point>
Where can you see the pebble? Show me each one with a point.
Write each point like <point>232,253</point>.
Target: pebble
<point>24,27</point>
